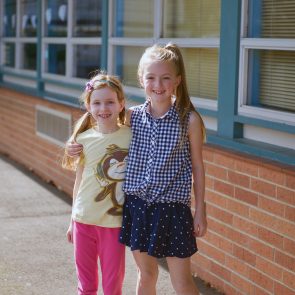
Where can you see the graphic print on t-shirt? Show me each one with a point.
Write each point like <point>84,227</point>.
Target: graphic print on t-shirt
<point>110,173</point>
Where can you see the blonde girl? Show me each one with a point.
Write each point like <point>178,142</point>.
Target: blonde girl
<point>165,153</point>
<point>97,195</point>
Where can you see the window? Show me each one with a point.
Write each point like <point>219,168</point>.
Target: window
<point>192,25</point>
<point>71,38</point>
<point>267,78</point>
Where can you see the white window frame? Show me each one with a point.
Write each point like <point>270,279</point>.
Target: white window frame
<point>247,44</point>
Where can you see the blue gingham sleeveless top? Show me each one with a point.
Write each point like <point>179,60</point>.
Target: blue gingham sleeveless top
<point>159,165</point>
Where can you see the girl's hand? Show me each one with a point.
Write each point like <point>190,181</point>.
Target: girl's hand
<point>200,222</point>
<point>70,233</point>
<point>74,149</point>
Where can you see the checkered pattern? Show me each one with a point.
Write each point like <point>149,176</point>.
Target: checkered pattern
<point>159,166</point>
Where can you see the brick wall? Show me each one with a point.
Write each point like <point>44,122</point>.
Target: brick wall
<point>250,244</point>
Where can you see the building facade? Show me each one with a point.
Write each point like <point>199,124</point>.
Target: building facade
<point>240,66</point>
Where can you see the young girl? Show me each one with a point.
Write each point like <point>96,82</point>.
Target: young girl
<point>165,155</point>
<point>97,195</point>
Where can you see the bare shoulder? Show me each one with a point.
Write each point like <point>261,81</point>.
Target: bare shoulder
<point>195,123</point>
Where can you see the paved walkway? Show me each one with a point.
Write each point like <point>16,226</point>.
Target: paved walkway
<point>35,258</point>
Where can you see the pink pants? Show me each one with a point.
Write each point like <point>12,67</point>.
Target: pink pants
<point>91,242</point>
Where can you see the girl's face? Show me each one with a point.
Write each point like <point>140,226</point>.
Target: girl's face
<point>105,108</point>
<point>159,80</point>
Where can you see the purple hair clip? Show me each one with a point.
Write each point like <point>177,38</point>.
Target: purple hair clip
<point>89,86</point>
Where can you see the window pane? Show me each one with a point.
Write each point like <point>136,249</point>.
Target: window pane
<point>127,59</point>
<point>9,20</point>
<point>271,82</point>
<point>9,55</point>
<point>29,54</point>
<point>201,65</point>
<point>87,18</point>
<point>272,19</point>
<point>87,60</point>
<point>191,19</point>
<point>134,18</point>
<point>56,59</point>
<point>28,23</point>
<point>56,18</point>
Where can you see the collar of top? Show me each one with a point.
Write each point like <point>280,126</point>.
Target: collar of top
<point>171,114</point>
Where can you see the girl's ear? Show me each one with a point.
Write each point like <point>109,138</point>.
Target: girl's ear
<point>141,82</point>
<point>87,106</point>
<point>178,80</point>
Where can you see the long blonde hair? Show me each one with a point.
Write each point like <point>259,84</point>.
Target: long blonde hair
<point>86,121</point>
<point>172,53</point>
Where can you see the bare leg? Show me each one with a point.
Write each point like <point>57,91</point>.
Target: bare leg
<point>147,267</point>
<point>180,274</point>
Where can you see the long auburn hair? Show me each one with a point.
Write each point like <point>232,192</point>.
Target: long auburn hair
<point>85,122</point>
<point>171,53</point>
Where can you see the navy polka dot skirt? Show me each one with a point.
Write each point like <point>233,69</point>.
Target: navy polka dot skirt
<point>160,229</point>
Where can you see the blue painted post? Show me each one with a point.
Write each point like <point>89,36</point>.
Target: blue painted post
<point>40,82</point>
<point>104,34</point>
<point>229,69</point>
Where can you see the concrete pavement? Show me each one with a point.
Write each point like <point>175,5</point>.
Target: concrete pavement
<point>35,258</point>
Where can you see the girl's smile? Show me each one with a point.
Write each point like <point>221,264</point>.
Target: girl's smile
<point>160,80</point>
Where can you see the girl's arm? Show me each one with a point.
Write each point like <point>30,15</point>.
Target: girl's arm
<point>78,179</point>
<point>196,145</point>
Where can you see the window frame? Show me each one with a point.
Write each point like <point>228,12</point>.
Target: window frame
<point>247,44</point>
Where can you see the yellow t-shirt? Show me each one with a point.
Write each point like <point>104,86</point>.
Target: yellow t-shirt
<point>100,197</point>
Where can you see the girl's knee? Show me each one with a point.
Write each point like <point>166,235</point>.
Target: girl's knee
<point>148,276</point>
<point>185,286</point>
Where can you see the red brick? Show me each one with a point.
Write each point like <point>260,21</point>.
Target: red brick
<point>289,279</point>
<point>220,271</point>
<point>238,179</point>
<point>215,198</point>
<point>224,188</point>
<point>246,196</point>
<point>208,156</point>
<point>290,213</point>
<point>245,226</point>
<point>270,237</point>
<point>285,260</point>
<point>225,161</point>
<point>213,253</point>
<point>209,182</point>
<point>237,266</point>
<point>263,187</point>
<point>220,214</point>
<point>282,290</point>
<point>289,246</point>
<point>286,195</point>
<point>216,171</point>
<point>290,181</point>
<point>247,168</point>
<point>272,176</point>
<point>269,268</point>
<point>271,206</point>
<point>261,249</point>
<point>237,207</point>
<point>261,280</point>
<point>219,242</point>
<point>244,255</point>
<point>241,284</point>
